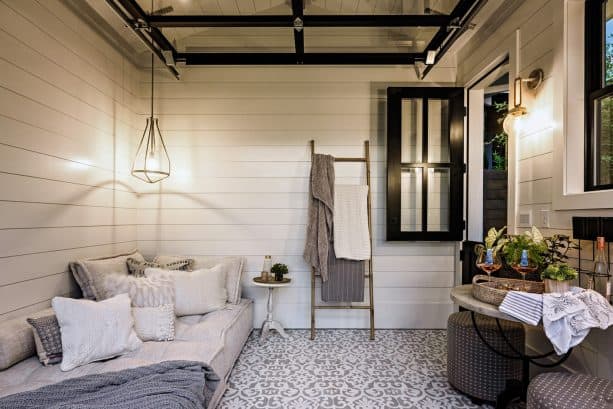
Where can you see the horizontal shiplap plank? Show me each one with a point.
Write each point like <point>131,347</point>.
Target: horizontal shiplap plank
<point>15,215</point>
<point>535,192</point>
<point>536,167</point>
<point>382,279</point>
<point>246,122</point>
<point>280,248</point>
<point>19,188</point>
<point>29,241</point>
<point>32,266</point>
<point>25,293</point>
<point>376,77</point>
<point>186,90</point>
<point>302,295</point>
<point>19,161</point>
<point>265,106</point>
<point>387,315</point>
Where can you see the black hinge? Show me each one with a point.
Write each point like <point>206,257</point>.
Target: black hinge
<point>461,255</point>
<point>465,111</point>
<point>463,224</point>
<point>464,168</point>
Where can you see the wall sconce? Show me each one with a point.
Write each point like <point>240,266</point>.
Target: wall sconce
<point>532,82</point>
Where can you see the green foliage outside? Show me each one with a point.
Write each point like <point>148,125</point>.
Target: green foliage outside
<point>605,148</point>
<point>500,139</point>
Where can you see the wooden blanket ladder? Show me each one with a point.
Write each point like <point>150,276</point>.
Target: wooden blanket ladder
<point>369,274</point>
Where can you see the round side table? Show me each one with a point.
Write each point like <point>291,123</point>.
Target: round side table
<point>269,323</point>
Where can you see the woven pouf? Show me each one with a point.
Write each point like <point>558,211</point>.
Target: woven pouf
<point>570,391</point>
<point>471,367</point>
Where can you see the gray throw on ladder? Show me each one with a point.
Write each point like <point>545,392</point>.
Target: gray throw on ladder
<point>321,208</point>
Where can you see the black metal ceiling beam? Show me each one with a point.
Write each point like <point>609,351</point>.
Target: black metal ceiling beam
<point>411,20</point>
<point>148,42</point>
<point>140,17</point>
<point>298,23</point>
<point>290,58</point>
<point>464,12</point>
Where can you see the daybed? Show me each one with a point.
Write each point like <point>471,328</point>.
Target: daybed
<point>215,338</point>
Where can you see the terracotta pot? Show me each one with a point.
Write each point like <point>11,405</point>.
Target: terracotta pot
<point>555,286</point>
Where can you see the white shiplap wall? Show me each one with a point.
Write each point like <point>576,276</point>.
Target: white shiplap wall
<point>66,123</point>
<point>238,141</point>
<point>534,138</point>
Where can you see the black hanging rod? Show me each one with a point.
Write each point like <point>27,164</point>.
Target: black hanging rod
<point>413,20</point>
<point>290,58</point>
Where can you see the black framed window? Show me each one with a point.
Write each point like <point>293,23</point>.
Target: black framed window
<point>425,151</point>
<point>599,94</point>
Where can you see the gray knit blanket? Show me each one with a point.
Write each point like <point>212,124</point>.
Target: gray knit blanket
<point>321,210</point>
<point>170,385</point>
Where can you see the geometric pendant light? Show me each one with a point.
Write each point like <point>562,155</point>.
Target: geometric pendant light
<point>151,163</point>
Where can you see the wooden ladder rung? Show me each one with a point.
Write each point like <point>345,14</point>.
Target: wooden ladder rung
<point>342,307</point>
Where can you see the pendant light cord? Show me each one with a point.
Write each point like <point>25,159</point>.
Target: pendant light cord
<point>152,76</point>
<point>152,62</point>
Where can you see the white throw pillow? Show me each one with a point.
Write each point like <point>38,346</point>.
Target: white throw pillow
<point>233,266</point>
<point>155,323</point>
<point>93,331</point>
<point>143,291</point>
<point>196,292</point>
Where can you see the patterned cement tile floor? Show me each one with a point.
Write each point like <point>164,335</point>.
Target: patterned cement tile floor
<point>343,369</point>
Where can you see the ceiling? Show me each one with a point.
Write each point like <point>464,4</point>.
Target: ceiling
<point>205,32</point>
<point>317,39</point>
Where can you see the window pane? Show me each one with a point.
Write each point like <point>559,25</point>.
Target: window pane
<point>608,51</point>
<point>603,141</point>
<point>438,199</point>
<point>411,128</point>
<point>411,199</point>
<point>438,130</point>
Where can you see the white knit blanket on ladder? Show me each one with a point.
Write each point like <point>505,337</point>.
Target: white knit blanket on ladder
<point>351,236</point>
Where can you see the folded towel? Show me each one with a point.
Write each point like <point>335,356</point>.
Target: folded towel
<point>526,307</point>
<point>345,280</point>
<point>321,206</point>
<point>351,236</point>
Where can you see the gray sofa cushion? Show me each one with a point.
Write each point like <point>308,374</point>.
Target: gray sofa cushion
<point>48,339</point>
<point>215,338</point>
<point>17,340</point>
<point>231,264</point>
<point>89,273</point>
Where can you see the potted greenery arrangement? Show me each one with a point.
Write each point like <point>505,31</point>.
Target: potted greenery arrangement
<point>279,270</point>
<point>530,241</point>
<point>557,277</point>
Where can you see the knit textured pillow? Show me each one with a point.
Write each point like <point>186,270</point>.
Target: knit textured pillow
<point>155,323</point>
<point>143,291</point>
<point>48,339</point>
<point>137,267</point>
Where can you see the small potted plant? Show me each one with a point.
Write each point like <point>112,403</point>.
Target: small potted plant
<point>557,277</point>
<point>279,270</point>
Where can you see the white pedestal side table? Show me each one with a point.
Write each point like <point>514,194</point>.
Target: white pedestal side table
<point>269,323</point>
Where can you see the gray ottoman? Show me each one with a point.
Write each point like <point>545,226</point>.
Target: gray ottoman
<point>472,367</point>
<point>568,391</point>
